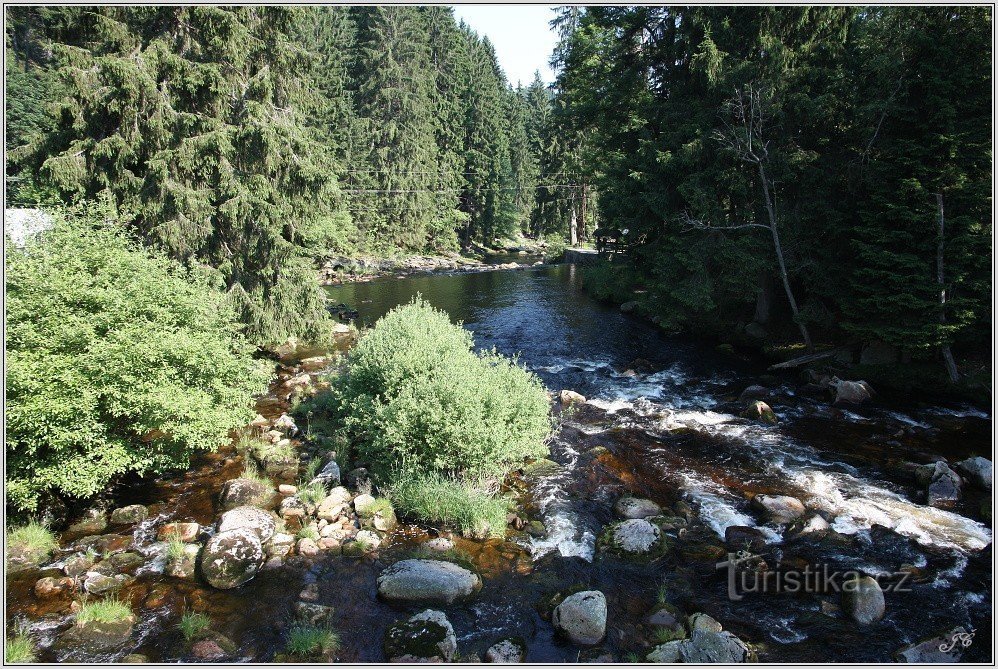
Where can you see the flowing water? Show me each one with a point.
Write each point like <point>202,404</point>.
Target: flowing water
<point>661,423</point>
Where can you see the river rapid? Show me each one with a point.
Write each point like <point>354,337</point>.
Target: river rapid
<point>661,422</point>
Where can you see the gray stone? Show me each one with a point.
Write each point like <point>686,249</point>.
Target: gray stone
<point>944,485</point>
<point>248,492</point>
<point>97,583</point>
<point>425,637</point>
<point>250,518</point>
<point>760,411</point>
<point>636,507</point>
<point>315,614</point>
<point>78,564</point>
<point>329,477</point>
<point>427,581</point>
<point>979,470</point>
<point>581,617</point>
<point>636,536</point>
<point>129,515</point>
<point>232,558</point>
<point>569,398</point>
<point>701,622</point>
<point>780,509</point>
<point>440,544</point>
<point>506,651</point>
<point>93,521</point>
<point>753,393</point>
<point>852,392</point>
<point>364,505</point>
<point>706,646</point>
<point>667,653</point>
<point>863,600</point>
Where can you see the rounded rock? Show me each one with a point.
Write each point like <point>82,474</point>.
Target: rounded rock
<point>232,558</point>
<point>250,518</point>
<point>581,617</point>
<point>427,581</point>
<point>636,507</point>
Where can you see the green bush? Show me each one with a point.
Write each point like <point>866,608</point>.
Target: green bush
<point>118,360</point>
<point>437,423</point>
<point>416,398</point>
<point>33,539</point>
<point>105,611</point>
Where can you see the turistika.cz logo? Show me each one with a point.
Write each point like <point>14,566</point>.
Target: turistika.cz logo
<point>744,578</point>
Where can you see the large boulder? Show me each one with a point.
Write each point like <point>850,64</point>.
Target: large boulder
<point>329,476</point>
<point>944,484</point>
<point>248,492</point>
<point>780,509</point>
<point>742,537</point>
<point>425,637</point>
<point>713,647</point>
<point>753,393</point>
<point>636,507</point>
<point>581,617</point>
<point>863,600</point>
<point>129,515</point>
<point>979,470</point>
<point>851,392</point>
<point>569,398</point>
<point>232,558</point>
<point>83,640</point>
<point>427,581</point>
<point>252,518</point>
<point>760,411</point>
<point>635,536</point>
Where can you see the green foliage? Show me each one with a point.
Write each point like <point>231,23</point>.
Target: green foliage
<point>175,548</point>
<point>609,280</point>
<point>417,398</point>
<point>308,532</point>
<point>19,649</point>
<point>118,360</point>
<point>32,538</point>
<point>305,640</point>
<point>437,499</point>
<point>192,625</point>
<point>104,611</point>
<point>311,493</point>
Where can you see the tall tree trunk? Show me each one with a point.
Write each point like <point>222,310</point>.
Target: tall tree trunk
<point>954,375</point>
<point>574,227</point>
<point>779,257</point>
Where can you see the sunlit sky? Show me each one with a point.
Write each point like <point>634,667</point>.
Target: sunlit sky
<point>520,33</point>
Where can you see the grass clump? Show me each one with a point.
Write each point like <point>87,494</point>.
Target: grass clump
<point>175,549</point>
<point>33,539</point>
<point>311,493</point>
<point>304,640</point>
<point>438,499</point>
<point>104,611</point>
<point>429,414</point>
<point>19,649</point>
<point>192,625</point>
<point>308,532</point>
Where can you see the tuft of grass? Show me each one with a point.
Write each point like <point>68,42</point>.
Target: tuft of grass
<point>380,505</point>
<point>311,470</point>
<point>252,471</point>
<point>104,611</point>
<point>33,538</point>
<point>175,549</point>
<point>632,658</point>
<point>192,625</point>
<point>308,532</point>
<point>665,635</point>
<point>19,649</point>
<point>311,493</point>
<point>436,499</point>
<point>304,640</point>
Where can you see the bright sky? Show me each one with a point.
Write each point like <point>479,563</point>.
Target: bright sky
<point>520,33</point>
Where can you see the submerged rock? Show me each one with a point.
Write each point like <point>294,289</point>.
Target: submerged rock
<point>101,584</point>
<point>780,509</point>
<point>185,532</point>
<point>83,639</point>
<point>753,393</point>
<point>247,492</point>
<point>636,507</point>
<point>740,537</point>
<point>425,637</point>
<point>49,586</point>
<point>581,617</point>
<point>427,581</point>
<point>93,521</point>
<point>258,521</point>
<point>232,558</point>
<point>944,484</point>
<point>863,600</point>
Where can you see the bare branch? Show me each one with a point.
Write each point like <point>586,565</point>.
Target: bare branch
<point>690,223</point>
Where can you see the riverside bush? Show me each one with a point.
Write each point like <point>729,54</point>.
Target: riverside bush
<point>118,360</point>
<point>436,421</point>
<point>418,399</point>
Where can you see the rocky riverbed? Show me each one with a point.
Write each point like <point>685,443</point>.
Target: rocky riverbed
<point>667,463</point>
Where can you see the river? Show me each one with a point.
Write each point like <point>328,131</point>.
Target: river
<point>661,423</point>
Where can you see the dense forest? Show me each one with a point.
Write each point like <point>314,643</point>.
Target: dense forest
<point>258,140</point>
<point>828,167</point>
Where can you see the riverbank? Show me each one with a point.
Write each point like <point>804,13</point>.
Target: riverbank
<point>510,254</point>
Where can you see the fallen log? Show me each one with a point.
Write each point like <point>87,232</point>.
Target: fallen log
<point>805,359</point>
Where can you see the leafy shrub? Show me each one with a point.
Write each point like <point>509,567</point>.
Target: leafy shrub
<point>105,611</point>
<point>118,360</point>
<point>417,399</point>
<point>193,625</point>
<point>438,499</point>
<point>612,281</point>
